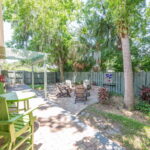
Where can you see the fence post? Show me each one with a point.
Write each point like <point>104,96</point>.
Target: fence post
<point>45,76</point>
<point>14,81</point>
<point>32,77</point>
<point>22,77</point>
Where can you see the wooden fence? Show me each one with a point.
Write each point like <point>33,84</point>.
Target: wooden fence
<point>26,77</point>
<point>113,81</point>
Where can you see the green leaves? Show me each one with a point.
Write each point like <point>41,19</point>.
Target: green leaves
<point>40,25</point>
<point>125,13</point>
<point>44,25</point>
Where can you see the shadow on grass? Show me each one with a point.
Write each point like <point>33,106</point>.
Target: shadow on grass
<point>134,135</point>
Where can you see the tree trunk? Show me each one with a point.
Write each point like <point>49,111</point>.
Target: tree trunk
<point>128,73</point>
<point>61,69</point>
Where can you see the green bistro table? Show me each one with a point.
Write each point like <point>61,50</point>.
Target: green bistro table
<point>17,97</point>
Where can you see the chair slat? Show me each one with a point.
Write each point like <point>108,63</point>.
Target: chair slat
<point>13,125</point>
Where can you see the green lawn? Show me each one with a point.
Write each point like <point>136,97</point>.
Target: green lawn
<point>1,88</point>
<point>38,86</point>
<point>135,135</point>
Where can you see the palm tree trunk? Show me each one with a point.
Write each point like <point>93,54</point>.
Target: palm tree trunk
<point>128,73</point>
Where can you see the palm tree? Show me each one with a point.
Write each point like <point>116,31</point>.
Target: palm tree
<point>128,73</point>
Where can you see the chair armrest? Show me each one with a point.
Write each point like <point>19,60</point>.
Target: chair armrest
<point>28,111</point>
<point>14,119</point>
<point>7,122</point>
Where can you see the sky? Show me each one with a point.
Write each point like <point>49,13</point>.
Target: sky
<point>8,31</point>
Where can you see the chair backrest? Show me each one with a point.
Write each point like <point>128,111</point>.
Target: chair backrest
<point>68,83</point>
<point>80,91</point>
<point>4,115</point>
<point>61,88</point>
<point>86,83</point>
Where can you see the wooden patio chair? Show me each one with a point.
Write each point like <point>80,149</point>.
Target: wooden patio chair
<point>63,91</point>
<point>68,84</point>
<point>15,129</point>
<point>80,94</point>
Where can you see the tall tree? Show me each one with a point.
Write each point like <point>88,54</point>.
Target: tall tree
<point>42,25</point>
<point>125,14</point>
<point>97,33</point>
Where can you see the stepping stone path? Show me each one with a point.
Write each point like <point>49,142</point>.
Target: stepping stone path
<point>59,130</point>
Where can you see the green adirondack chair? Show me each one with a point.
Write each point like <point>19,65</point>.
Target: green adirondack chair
<point>16,129</point>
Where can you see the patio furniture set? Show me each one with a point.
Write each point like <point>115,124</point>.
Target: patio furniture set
<point>80,91</point>
<point>17,126</point>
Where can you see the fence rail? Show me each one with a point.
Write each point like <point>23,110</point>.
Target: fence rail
<point>113,81</point>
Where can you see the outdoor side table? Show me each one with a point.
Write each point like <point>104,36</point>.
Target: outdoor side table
<point>19,96</point>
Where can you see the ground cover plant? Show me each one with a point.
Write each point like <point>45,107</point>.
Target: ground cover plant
<point>143,107</point>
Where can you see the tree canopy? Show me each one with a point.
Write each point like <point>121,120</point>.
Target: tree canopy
<point>71,31</point>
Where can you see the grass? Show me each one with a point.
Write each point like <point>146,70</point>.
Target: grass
<point>115,94</point>
<point>38,86</point>
<point>1,88</point>
<point>135,134</point>
<point>143,106</point>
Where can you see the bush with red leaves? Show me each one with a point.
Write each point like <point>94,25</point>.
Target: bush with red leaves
<point>145,94</point>
<point>2,78</point>
<point>103,95</point>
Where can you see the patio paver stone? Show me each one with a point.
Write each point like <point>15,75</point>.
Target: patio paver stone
<point>58,129</point>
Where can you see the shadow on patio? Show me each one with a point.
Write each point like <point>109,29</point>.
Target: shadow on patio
<point>57,119</point>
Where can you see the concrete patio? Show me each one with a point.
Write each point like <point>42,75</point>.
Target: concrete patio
<point>68,103</point>
<point>59,129</point>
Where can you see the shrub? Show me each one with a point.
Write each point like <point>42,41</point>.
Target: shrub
<point>2,78</point>
<point>145,94</point>
<point>143,107</point>
<point>103,95</point>
<point>115,94</point>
